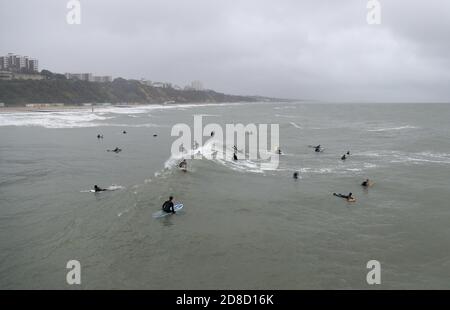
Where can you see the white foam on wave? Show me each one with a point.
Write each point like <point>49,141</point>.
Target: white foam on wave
<point>392,128</point>
<point>405,157</point>
<point>296,125</point>
<point>215,151</point>
<point>85,118</point>
<point>285,116</point>
<point>72,119</point>
<point>285,107</point>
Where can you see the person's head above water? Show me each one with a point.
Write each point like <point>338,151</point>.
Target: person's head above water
<point>350,195</point>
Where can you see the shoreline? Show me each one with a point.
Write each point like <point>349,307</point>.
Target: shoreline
<point>82,108</point>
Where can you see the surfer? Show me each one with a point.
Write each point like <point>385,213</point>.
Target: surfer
<point>183,165</point>
<point>98,189</point>
<point>212,133</point>
<point>348,152</point>
<point>235,157</point>
<point>168,206</point>
<point>367,183</point>
<point>279,151</point>
<point>295,175</point>
<point>195,145</point>
<point>343,157</point>
<point>348,197</point>
<point>317,148</point>
<point>124,132</point>
<point>116,150</point>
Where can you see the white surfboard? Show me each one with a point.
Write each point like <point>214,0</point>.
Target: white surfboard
<point>162,213</point>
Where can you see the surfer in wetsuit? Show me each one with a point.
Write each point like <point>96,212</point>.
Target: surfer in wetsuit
<point>295,175</point>
<point>348,197</point>
<point>168,206</point>
<point>343,157</point>
<point>348,152</point>
<point>98,189</point>
<point>235,157</point>
<point>183,165</point>
<point>366,183</point>
<point>317,148</point>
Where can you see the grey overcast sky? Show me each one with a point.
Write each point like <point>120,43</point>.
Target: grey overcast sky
<point>318,49</point>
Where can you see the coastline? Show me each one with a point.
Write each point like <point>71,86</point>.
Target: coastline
<point>65,108</point>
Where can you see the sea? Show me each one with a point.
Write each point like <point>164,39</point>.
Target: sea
<point>242,226</point>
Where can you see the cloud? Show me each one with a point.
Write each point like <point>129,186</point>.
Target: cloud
<point>320,50</point>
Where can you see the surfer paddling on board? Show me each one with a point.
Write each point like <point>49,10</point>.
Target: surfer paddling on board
<point>318,148</point>
<point>348,197</point>
<point>367,183</point>
<point>168,206</point>
<point>98,189</point>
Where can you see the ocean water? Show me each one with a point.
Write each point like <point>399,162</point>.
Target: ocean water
<point>242,227</point>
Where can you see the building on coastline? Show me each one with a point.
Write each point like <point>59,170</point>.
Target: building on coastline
<point>162,85</point>
<point>102,79</point>
<point>17,63</point>
<point>8,75</point>
<point>88,77</point>
<point>195,85</point>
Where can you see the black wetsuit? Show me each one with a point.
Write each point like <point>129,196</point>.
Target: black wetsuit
<point>168,207</point>
<point>343,196</point>
<point>182,165</point>
<point>365,184</point>
<point>98,189</point>
<point>235,156</point>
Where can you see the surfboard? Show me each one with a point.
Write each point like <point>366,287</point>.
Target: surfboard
<point>162,213</point>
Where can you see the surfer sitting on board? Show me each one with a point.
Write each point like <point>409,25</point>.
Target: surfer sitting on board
<point>349,197</point>
<point>168,206</point>
<point>317,148</point>
<point>98,189</point>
